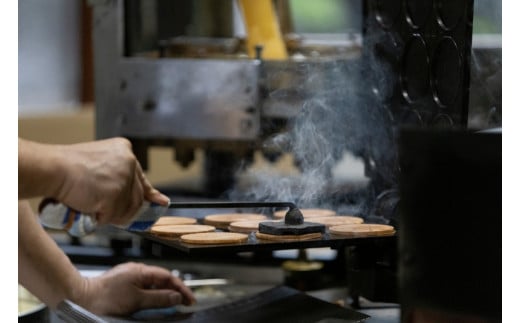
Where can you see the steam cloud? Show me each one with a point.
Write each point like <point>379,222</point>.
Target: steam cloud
<point>343,111</point>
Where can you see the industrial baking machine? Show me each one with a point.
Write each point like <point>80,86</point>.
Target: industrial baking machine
<point>194,76</point>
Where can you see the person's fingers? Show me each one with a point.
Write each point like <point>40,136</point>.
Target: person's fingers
<point>187,295</point>
<point>157,197</point>
<point>155,277</point>
<point>157,298</point>
<point>161,278</point>
<point>150,193</point>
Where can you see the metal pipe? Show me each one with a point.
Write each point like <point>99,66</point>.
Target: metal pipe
<point>229,205</point>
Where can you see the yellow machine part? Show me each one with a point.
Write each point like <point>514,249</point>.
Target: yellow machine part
<point>263,29</point>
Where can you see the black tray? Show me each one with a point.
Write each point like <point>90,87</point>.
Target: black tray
<point>254,244</point>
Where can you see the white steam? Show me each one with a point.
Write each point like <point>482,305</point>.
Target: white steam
<point>343,112</point>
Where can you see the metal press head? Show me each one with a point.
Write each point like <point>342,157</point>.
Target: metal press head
<point>294,216</point>
<point>293,224</point>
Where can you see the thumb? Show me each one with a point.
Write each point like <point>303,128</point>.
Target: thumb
<point>150,193</point>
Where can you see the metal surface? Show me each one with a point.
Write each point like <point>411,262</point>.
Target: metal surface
<point>187,99</point>
<point>168,98</point>
<point>73,313</point>
<point>427,47</point>
<point>277,304</point>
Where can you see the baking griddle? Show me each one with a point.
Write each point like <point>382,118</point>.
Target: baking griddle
<point>254,244</point>
<point>199,209</point>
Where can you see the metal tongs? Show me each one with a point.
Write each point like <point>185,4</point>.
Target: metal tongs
<point>293,223</point>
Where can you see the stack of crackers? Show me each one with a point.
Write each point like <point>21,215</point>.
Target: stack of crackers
<point>213,231</point>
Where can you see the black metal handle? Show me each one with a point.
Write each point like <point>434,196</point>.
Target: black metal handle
<point>228,205</point>
<point>293,216</point>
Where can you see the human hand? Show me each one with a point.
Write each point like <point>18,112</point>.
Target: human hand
<point>130,287</point>
<point>104,178</point>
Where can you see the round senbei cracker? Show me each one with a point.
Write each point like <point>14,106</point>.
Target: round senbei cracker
<point>174,220</point>
<point>362,230</point>
<point>307,213</point>
<point>214,238</point>
<point>246,226</point>
<point>181,229</point>
<point>222,221</point>
<point>337,220</point>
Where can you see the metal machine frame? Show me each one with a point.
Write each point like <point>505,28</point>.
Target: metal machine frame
<point>219,105</point>
<point>145,98</point>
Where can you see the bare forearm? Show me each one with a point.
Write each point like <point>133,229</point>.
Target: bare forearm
<point>43,268</point>
<point>46,271</point>
<point>38,169</point>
